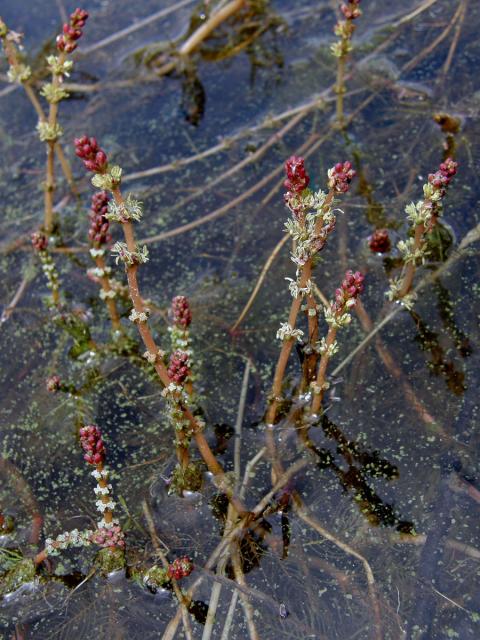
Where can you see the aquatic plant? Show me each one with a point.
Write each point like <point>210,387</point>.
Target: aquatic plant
<point>344,29</point>
<point>423,216</point>
<point>313,421</point>
<point>124,211</point>
<point>313,219</point>
<point>49,130</point>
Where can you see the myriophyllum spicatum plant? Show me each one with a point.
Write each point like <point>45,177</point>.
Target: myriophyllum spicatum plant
<point>108,534</point>
<point>125,211</point>
<point>423,216</point>
<point>344,30</point>
<point>313,220</point>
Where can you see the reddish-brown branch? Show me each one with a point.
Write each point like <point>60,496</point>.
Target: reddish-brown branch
<point>322,372</point>
<point>411,267</point>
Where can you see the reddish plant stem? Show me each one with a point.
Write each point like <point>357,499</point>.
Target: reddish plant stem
<point>411,267</point>
<point>51,144</point>
<point>340,91</point>
<point>322,371</point>
<point>311,359</point>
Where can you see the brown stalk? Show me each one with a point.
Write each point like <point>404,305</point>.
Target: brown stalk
<point>51,144</point>
<point>411,267</point>
<point>322,371</point>
<point>210,25</point>
<point>340,91</point>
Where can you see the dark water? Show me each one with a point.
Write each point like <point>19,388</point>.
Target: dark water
<point>404,465</point>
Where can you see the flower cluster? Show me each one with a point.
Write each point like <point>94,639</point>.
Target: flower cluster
<point>40,245</point>
<point>181,317</point>
<point>180,311</point>
<point>344,28</point>
<point>296,182</point>
<point>92,444</point>
<point>340,176</point>
<point>338,315</point>
<point>351,10</point>
<point>178,367</point>
<point>109,537</point>
<point>94,158</point>
<point>286,332</point>
<point>74,538</point>
<point>180,568</point>
<point>346,295</point>
<point>297,178</point>
<point>53,384</point>
<point>140,256</point>
<point>39,241</point>
<point>441,178</point>
<point>72,31</point>
<point>99,224</point>
<point>379,241</point>
<point>129,209</point>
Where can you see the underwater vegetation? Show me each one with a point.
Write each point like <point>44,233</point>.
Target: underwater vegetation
<point>239,320</point>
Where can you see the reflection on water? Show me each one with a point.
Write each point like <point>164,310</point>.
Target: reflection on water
<point>393,469</point>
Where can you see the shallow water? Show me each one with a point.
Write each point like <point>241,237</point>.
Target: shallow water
<point>408,466</point>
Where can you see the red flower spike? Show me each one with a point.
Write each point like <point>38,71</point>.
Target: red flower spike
<point>297,178</point>
<point>72,31</point>
<point>94,158</point>
<point>340,177</point>
<point>39,241</point>
<point>92,444</point>
<point>180,568</point>
<point>346,296</point>
<point>53,384</point>
<point>178,367</point>
<point>379,241</point>
<point>180,311</point>
<point>99,225</point>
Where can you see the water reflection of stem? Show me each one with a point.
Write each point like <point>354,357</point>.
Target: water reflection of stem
<point>14,476</point>
<point>304,514</point>
<point>240,579</point>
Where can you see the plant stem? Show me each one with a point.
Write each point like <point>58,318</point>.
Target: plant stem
<point>411,267</point>
<point>322,370</point>
<point>51,145</point>
<point>340,91</point>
